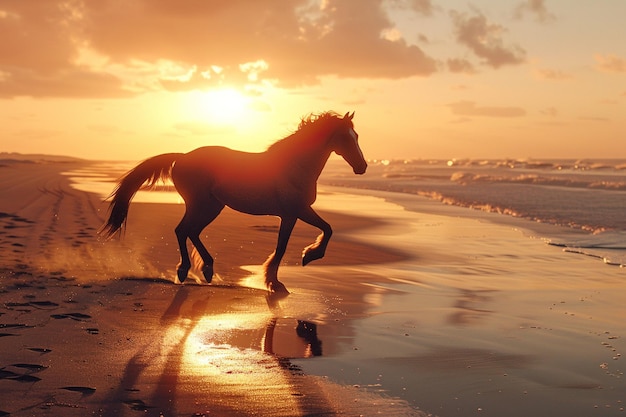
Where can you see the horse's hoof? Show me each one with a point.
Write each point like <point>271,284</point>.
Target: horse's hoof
<point>277,287</point>
<point>309,257</point>
<point>182,274</point>
<point>207,271</point>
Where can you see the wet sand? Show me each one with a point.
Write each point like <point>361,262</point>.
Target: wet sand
<point>418,308</point>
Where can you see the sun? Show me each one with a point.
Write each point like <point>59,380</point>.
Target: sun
<point>223,106</point>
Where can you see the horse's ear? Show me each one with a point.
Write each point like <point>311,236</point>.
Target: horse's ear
<point>348,116</point>
<point>352,116</point>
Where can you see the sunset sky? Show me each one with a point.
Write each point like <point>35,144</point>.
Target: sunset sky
<point>128,79</point>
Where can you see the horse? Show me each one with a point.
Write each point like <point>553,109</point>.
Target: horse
<point>281,181</point>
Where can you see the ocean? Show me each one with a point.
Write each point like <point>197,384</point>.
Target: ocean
<point>577,205</point>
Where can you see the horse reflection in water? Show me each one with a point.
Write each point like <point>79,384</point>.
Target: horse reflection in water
<point>282,181</point>
<point>306,331</point>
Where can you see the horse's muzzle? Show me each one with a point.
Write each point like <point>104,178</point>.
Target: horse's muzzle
<point>360,170</point>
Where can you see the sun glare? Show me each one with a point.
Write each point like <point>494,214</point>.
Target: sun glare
<point>221,106</point>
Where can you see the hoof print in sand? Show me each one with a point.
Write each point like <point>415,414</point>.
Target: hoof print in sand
<point>26,378</point>
<point>13,326</point>
<point>14,376</point>
<point>39,350</point>
<point>82,390</point>
<point>36,304</point>
<point>16,326</point>
<point>137,405</point>
<point>73,316</point>
<point>31,367</point>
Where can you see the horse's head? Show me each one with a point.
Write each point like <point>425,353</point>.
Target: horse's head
<point>345,142</point>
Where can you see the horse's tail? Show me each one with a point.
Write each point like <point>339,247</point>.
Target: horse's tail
<point>149,171</point>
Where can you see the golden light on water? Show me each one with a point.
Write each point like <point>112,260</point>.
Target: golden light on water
<point>223,356</point>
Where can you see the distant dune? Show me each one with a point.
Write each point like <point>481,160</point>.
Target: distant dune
<point>7,157</point>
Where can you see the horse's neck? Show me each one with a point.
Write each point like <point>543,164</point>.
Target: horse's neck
<point>307,156</point>
<point>315,162</point>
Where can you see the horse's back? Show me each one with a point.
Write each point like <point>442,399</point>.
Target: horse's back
<point>245,181</point>
<point>218,163</point>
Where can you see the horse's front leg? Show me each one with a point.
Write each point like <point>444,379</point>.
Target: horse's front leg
<point>317,249</point>
<point>273,262</point>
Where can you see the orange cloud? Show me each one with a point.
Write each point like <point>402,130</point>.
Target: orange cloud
<point>610,63</point>
<point>550,74</point>
<point>485,40</point>
<point>38,52</point>
<point>300,41</point>
<point>424,7</point>
<point>460,65</point>
<point>469,108</point>
<point>535,7</point>
<point>549,111</point>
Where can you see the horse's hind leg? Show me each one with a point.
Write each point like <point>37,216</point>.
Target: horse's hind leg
<point>196,218</point>
<point>317,249</point>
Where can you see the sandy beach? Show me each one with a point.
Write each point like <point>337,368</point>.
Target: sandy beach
<point>417,309</point>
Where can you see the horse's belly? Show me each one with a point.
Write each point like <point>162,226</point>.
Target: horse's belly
<point>250,198</point>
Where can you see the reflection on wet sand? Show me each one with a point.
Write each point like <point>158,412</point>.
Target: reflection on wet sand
<point>236,356</point>
<point>305,345</point>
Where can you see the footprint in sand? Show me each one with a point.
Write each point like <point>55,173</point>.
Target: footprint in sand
<point>16,326</point>
<point>39,350</point>
<point>42,305</point>
<point>73,316</point>
<point>31,367</point>
<point>82,390</point>
<point>138,405</point>
<point>26,376</point>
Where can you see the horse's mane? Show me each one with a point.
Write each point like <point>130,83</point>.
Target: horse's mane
<point>307,127</point>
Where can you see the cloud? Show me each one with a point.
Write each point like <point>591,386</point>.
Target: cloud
<point>299,41</point>
<point>537,8</point>
<point>460,65</point>
<point>611,63</point>
<point>485,40</point>
<point>594,119</point>
<point>469,108</point>
<point>193,80</point>
<point>550,74</point>
<point>424,7</point>
<point>549,111</point>
<point>421,7</point>
<point>69,82</point>
<point>38,52</point>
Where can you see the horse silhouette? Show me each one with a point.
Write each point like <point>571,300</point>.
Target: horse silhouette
<point>282,181</point>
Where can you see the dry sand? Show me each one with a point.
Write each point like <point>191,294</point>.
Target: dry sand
<point>414,310</point>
